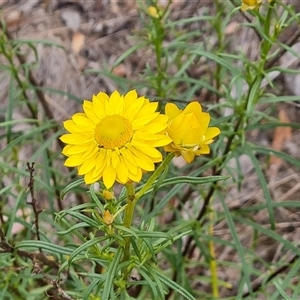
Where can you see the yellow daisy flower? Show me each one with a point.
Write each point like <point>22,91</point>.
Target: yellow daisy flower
<point>250,4</point>
<point>189,131</point>
<point>115,139</point>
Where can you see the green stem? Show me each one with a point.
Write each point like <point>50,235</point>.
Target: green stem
<point>154,176</point>
<point>266,44</point>
<point>128,217</point>
<point>157,41</point>
<point>132,199</point>
<point>212,261</point>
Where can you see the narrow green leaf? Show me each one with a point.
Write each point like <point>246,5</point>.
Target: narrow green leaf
<point>238,245</point>
<point>264,185</point>
<point>125,229</point>
<point>126,53</point>
<point>31,135</point>
<point>217,59</point>
<point>71,186</point>
<point>13,214</point>
<point>96,199</point>
<point>282,155</point>
<point>50,247</point>
<point>44,146</point>
<point>112,274</point>
<point>272,234</point>
<point>87,245</point>
<point>72,228</point>
<point>282,293</point>
<point>160,288</point>
<point>96,283</point>
<point>174,286</point>
<point>19,121</point>
<point>82,218</point>
<point>150,282</point>
<point>193,180</point>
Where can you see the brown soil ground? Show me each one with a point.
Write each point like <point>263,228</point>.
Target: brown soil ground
<point>94,34</point>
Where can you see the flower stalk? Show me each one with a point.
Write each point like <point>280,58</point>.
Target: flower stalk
<point>212,261</point>
<point>154,176</point>
<point>128,217</point>
<point>133,198</point>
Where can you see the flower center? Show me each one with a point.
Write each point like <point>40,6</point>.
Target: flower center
<point>113,131</point>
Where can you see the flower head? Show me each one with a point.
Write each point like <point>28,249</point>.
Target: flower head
<point>152,11</point>
<point>250,4</point>
<point>189,131</point>
<point>115,138</point>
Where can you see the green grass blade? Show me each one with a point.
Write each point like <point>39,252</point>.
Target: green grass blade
<point>264,186</point>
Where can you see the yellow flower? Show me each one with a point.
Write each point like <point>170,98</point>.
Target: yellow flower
<point>115,139</point>
<point>189,131</point>
<point>250,4</point>
<point>152,11</point>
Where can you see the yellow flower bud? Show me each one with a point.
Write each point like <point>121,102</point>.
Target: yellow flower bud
<point>250,4</point>
<point>108,195</point>
<point>108,218</point>
<point>152,11</point>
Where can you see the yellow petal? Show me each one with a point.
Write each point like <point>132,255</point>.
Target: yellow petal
<point>115,159</point>
<point>89,179</point>
<point>102,97</point>
<point>128,156</point>
<point>189,156</point>
<point>82,120</point>
<point>150,151</point>
<point>194,108</point>
<point>98,105</point>
<point>116,102</point>
<point>170,148</point>
<point>122,173</point>
<point>73,161</point>
<point>132,110</point>
<point>100,163</point>
<point>211,133</point>
<point>109,176</point>
<point>204,149</point>
<point>91,150</point>
<point>86,167</point>
<point>180,122</point>
<point>172,110</point>
<point>142,160</point>
<point>74,149</point>
<point>136,177</point>
<point>204,120</point>
<point>73,128</point>
<point>144,120</point>
<point>157,125</point>
<point>147,109</point>
<point>130,97</point>
<point>131,168</point>
<point>75,138</point>
<point>90,111</point>
<point>193,136</point>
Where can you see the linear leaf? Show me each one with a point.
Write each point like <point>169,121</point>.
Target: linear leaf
<point>111,274</point>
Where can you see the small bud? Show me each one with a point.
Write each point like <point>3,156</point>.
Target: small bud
<point>152,11</point>
<point>108,195</point>
<point>250,4</point>
<point>108,218</point>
